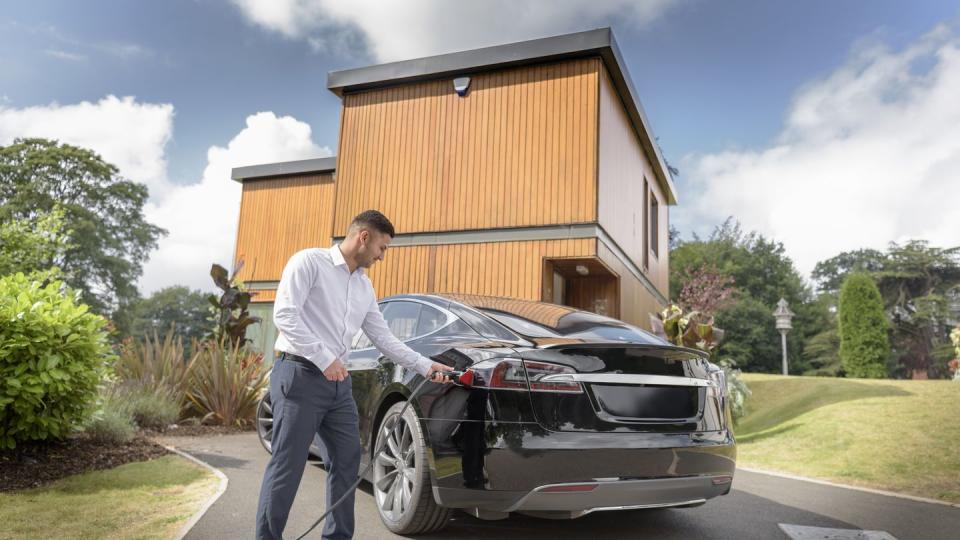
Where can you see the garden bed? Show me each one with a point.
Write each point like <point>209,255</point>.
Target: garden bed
<point>39,465</point>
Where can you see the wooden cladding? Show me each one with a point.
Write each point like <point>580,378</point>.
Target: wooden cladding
<point>518,150</point>
<point>511,269</point>
<point>279,217</point>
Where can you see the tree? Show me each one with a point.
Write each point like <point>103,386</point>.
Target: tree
<point>707,291</point>
<point>33,244</point>
<point>916,281</point>
<point>109,238</point>
<point>829,274</point>
<point>763,274</point>
<point>920,286</point>
<point>177,307</point>
<point>864,347</point>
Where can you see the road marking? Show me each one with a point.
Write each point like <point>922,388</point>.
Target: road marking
<point>802,532</point>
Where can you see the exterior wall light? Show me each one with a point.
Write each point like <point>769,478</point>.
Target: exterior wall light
<point>461,85</point>
<point>582,270</point>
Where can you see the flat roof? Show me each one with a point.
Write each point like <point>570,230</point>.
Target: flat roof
<point>599,42</point>
<point>284,168</point>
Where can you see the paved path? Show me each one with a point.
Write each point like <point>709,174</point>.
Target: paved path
<point>753,510</point>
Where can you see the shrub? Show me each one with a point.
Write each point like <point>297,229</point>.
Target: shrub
<point>112,423</point>
<point>155,365</point>
<point>154,410</point>
<point>737,390</point>
<point>226,383</point>
<point>53,354</point>
<point>862,323</point>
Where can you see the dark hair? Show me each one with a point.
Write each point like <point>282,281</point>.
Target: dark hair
<point>372,219</point>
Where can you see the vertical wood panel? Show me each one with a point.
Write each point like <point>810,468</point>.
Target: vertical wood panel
<point>516,151</point>
<point>511,269</point>
<point>279,217</point>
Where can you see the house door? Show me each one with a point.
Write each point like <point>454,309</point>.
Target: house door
<point>582,283</point>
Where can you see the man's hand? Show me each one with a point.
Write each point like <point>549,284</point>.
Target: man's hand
<point>437,375</point>
<point>336,371</point>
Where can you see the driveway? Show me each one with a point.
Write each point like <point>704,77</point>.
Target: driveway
<point>754,509</point>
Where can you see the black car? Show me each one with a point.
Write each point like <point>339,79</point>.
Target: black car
<point>560,413</point>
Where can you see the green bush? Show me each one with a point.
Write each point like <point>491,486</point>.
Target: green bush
<point>53,354</point>
<point>226,383</point>
<point>154,410</point>
<point>737,389</point>
<point>864,346</point>
<point>112,423</point>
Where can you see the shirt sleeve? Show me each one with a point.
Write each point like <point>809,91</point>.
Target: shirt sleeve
<point>295,283</point>
<point>375,327</point>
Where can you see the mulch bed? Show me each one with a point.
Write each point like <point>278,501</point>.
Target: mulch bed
<point>198,430</point>
<point>41,464</point>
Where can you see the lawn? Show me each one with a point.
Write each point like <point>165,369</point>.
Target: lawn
<point>901,436</point>
<point>150,499</point>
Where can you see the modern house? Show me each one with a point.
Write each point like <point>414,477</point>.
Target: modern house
<point>525,170</point>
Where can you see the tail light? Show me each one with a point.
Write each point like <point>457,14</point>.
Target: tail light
<point>514,374</point>
<point>719,378</point>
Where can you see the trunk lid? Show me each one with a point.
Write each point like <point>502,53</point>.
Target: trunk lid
<point>622,387</point>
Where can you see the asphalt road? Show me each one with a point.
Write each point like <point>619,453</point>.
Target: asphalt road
<point>753,510</point>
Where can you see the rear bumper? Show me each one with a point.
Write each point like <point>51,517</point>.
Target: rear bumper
<point>607,495</point>
<point>515,471</point>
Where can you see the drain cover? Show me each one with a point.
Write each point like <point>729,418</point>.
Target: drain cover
<point>801,532</point>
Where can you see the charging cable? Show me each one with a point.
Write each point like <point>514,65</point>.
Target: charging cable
<point>454,375</point>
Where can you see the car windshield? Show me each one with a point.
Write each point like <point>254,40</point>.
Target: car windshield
<point>524,327</point>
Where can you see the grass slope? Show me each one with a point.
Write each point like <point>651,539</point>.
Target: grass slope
<point>150,499</point>
<point>902,436</point>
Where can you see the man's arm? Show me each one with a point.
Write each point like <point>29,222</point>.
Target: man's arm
<point>295,283</point>
<point>379,333</point>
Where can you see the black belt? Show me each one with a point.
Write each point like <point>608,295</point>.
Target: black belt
<point>299,359</point>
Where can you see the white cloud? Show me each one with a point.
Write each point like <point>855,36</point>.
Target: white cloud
<point>868,155</point>
<point>396,30</point>
<point>64,55</point>
<point>202,218</point>
<point>129,134</point>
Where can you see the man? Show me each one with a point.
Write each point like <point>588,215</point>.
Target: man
<point>323,299</point>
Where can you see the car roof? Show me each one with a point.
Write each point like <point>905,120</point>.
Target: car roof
<point>559,319</point>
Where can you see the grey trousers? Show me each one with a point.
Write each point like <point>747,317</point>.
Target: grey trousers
<point>305,403</point>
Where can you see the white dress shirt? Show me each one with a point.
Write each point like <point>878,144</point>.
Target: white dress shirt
<point>321,305</point>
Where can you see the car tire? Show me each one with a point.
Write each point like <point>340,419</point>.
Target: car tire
<point>265,422</point>
<point>401,476</point>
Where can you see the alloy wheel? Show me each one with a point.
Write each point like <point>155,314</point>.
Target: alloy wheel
<point>265,421</point>
<point>395,469</point>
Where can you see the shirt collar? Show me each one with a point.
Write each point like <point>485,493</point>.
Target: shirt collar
<point>337,256</point>
<point>338,259</point>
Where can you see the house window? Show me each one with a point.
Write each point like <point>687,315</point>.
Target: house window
<point>654,225</point>
<point>646,230</point>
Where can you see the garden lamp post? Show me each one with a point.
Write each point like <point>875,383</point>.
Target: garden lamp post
<point>783,316</point>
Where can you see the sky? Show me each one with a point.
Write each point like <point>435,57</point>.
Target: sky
<point>826,125</point>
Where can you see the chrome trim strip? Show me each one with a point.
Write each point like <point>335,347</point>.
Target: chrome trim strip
<point>627,379</point>
<point>639,506</point>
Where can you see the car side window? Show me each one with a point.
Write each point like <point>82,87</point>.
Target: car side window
<point>402,318</point>
<point>430,320</point>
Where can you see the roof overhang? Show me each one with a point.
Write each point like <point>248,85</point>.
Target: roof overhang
<point>285,168</point>
<point>599,42</point>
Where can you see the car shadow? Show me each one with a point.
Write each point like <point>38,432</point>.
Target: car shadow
<point>738,515</point>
